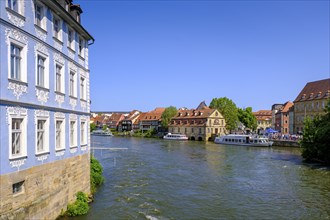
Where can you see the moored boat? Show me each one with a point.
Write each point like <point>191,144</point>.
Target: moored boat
<point>101,132</point>
<point>170,136</point>
<point>245,140</point>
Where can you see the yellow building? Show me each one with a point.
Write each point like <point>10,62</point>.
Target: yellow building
<point>264,120</point>
<point>200,124</point>
<point>311,101</point>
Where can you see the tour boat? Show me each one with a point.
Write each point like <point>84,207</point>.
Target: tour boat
<point>170,136</point>
<point>245,140</point>
<point>101,132</point>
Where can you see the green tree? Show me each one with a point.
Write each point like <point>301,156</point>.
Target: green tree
<point>105,127</point>
<point>228,109</point>
<point>316,139</point>
<point>247,118</point>
<point>92,127</point>
<point>169,113</point>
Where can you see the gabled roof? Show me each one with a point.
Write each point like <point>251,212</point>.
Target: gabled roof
<point>202,105</point>
<point>153,115</point>
<point>314,90</point>
<point>263,115</point>
<point>192,113</point>
<point>286,107</point>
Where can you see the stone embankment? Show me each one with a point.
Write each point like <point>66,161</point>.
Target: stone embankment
<point>285,143</point>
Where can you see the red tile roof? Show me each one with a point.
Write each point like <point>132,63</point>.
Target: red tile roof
<point>314,90</point>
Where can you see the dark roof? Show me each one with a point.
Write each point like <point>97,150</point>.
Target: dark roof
<point>314,90</point>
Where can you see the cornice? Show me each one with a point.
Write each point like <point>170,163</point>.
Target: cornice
<point>60,11</point>
<point>36,106</point>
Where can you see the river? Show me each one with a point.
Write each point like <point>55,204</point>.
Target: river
<point>162,179</point>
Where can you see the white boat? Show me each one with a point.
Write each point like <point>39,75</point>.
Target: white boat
<point>245,140</point>
<point>101,132</point>
<point>170,136</point>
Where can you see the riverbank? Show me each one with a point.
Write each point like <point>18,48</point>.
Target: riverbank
<point>285,143</point>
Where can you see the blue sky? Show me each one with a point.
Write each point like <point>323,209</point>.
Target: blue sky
<point>150,54</point>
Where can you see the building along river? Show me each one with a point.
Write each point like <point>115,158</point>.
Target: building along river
<point>162,179</point>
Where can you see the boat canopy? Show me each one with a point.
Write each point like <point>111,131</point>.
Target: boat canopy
<point>270,130</point>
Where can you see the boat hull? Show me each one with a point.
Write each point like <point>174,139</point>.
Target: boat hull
<point>243,140</point>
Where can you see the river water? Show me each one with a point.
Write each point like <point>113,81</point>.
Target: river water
<point>162,179</point>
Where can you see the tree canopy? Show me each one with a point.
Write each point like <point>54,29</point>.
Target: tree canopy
<point>247,118</point>
<point>228,109</point>
<point>169,113</point>
<point>316,139</point>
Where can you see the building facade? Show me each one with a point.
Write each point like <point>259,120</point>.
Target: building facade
<point>198,124</point>
<point>151,120</point>
<point>310,102</point>
<point>282,118</point>
<point>44,107</point>
<point>264,120</point>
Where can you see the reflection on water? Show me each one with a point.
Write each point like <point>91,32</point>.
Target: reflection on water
<point>159,179</point>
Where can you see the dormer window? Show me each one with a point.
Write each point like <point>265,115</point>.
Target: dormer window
<point>311,95</point>
<point>303,96</point>
<point>327,93</point>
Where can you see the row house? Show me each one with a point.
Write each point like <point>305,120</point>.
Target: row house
<point>200,124</point>
<point>282,118</point>
<point>113,121</point>
<point>151,120</point>
<point>311,101</point>
<point>44,107</point>
<point>264,120</point>
<point>99,120</point>
<point>127,123</point>
<point>137,122</point>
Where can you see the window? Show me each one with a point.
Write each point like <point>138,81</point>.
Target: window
<point>60,132</point>
<point>41,135</point>
<point>72,84</point>
<point>16,136</point>
<point>83,134</point>
<point>73,134</point>
<point>82,88</point>
<point>15,62</point>
<point>70,39</point>
<point>59,79</point>
<point>81,47</point>
<point>57,28</point>
<point>13,5</point>
<point>39,15</point>
<point>18,187</point>
<point>41,71</point>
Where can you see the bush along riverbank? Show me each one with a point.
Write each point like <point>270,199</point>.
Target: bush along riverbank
<point>315,143</point>
<point>80,206</point>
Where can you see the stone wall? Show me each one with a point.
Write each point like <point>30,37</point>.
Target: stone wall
<point>47,189</point>
<point>284,143</point>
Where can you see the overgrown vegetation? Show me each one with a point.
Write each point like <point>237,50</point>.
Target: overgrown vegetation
<point>316,138</point>
<point>79,207</point>
<point>147,134</point>
<point>96,174</point>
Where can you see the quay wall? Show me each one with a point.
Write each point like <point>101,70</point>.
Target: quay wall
<point>285,143</point>
<point>48,188</point>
